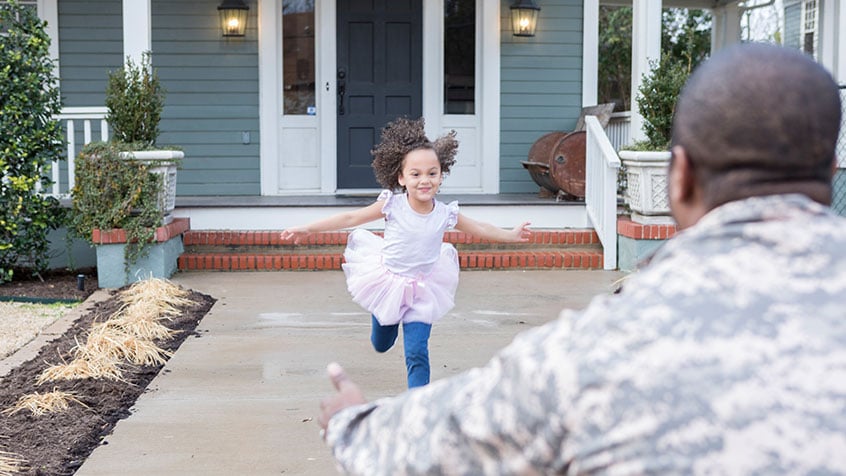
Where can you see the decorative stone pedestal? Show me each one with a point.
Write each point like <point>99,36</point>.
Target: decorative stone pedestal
<point>636,241</point>
<point>160,262</point>
<point>646,186</point>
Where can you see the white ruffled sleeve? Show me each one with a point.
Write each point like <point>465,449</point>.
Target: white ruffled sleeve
<point>452,213</point>
<point>386,196</point>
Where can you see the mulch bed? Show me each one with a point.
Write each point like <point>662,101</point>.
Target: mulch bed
<point>58,443</point>
<point>57,284</point>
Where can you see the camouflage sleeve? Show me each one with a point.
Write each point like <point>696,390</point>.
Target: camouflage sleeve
<point>501,418</point>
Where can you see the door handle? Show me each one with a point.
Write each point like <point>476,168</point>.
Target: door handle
<point>342,89</point>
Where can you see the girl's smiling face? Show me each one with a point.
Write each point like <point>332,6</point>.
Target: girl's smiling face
<point>421,177</point>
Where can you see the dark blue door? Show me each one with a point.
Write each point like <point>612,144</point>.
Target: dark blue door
<point>379,78</point>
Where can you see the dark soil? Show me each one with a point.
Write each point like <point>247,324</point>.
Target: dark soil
<point>58,443</point>
<point>57,284</point>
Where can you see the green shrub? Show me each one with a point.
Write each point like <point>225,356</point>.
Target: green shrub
<point>112,192</point>
<point>135,99</point>
<point>656,100</point>
<point>30,140</point>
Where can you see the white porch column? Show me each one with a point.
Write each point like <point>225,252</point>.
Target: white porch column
<point>840,45</point>
<point>137,29</point>
<point>831,39</point>
<point>590,53</point>
<point>725,29</point>
<point>646,47</point>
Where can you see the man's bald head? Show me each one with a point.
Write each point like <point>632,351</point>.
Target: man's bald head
<point>756,120</point>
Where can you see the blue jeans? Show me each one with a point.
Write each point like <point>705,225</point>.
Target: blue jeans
<point>415,338</point>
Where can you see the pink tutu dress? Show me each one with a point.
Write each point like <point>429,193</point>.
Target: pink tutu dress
<point>410,275</point>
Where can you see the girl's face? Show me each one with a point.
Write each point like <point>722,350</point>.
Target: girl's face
<point>421,177</point>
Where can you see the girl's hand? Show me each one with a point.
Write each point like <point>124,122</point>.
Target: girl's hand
<point>522,233</point>
<point>296,233</point>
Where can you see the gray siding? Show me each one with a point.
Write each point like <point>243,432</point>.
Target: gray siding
<point>792,25</point>
<point>211,84</point>
<point>90,45</point>
<point>541,85</point>
<point>212,96</point>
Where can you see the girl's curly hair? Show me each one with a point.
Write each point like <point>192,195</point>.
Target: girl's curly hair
<point>402,136</point>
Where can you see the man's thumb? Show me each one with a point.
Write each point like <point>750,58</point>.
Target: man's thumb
<point>336,375</point>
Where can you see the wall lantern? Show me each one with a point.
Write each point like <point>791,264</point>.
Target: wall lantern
<point>233,17</point>
<point>524,17</point>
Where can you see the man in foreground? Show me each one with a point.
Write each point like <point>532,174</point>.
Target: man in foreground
<point>725,355</point>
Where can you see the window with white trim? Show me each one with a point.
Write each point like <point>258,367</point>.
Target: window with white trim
<point>459,56</point>
<point>809,27</point>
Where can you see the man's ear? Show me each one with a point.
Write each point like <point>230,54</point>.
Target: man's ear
<point>681,177</point>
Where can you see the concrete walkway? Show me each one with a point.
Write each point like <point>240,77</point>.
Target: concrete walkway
<point>243,397</point>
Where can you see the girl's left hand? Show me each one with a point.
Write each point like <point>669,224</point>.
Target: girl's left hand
<point>295,233</point>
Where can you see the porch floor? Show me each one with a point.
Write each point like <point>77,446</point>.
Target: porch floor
<point>342,200</point>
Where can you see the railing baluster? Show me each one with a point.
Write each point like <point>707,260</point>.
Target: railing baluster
<point>70,115</point>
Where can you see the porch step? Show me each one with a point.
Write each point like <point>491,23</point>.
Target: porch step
<point>264,251</point>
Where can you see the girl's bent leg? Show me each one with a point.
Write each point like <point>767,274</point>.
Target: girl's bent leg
<point>382,337</point>
<point>416,341</point>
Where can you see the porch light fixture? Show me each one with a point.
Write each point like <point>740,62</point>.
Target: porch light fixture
<point>233,17</point>
<point>524,17</point>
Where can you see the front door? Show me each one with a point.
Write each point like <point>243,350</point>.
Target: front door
<point>379,78</point>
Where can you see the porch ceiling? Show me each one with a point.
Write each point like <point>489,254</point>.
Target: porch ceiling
<point>695,4</point>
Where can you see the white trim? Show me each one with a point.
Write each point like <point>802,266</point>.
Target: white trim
<point>590,53</point>
<point>268,97</point>
<point>490,100</point>
<point>48,10</point>
<point>137,29</point>
<point>433,69</point>
<point>326,63</point>
<point>828,33</point>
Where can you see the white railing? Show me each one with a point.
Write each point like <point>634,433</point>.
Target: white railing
<point>618,129</point>
<point>602,165</point>
<point>75,118</point>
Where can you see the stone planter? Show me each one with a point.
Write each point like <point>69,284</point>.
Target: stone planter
<point>159,262</point>
<point>164,163</point>
<point>647,186</point>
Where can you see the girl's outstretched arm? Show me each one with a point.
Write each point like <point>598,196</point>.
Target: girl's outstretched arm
<point>339,221</point>
<point>520,233</point>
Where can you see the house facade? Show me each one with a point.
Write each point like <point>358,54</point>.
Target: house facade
<point>293,107</point>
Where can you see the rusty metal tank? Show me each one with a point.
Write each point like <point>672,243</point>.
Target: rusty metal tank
<point>567,164</point>
<point>538,163</point>
<point>557,163</point>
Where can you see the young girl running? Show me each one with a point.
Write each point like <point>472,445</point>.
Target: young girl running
<point>409,277</point>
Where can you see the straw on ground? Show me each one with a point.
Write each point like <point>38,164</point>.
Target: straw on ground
<point>11,464</point>
<point>43,403</point>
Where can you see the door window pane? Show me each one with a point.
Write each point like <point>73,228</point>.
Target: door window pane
<point>298,57</point>
<point>459,56</point>
<point>26,4</point>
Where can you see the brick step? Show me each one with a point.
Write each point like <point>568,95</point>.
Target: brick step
<point>235,238</point>
<point>546,259</point>
<point>264,250</point>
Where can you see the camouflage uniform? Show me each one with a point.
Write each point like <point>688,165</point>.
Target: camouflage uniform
<point>725,355</point>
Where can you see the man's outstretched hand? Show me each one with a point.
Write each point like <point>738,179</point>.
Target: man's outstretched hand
<point>348,395</point>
